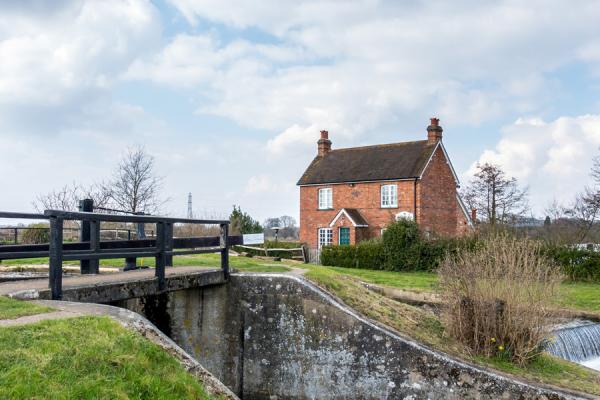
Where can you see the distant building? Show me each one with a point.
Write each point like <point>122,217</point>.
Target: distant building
<point>348,195</point>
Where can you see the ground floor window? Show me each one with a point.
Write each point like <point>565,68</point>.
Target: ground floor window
<point>344,236</point>
<point>325,237</point>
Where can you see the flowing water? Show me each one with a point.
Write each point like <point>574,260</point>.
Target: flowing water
<point>579,343</point>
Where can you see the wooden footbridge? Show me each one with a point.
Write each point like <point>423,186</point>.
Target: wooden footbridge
<point>90,249</point>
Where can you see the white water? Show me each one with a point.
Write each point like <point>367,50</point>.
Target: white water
<point>593,364</point>
<point>580,344</point>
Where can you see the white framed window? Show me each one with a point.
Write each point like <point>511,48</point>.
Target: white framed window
<point>389,196</point>
<point>325,237</point>
<point>325,199</point>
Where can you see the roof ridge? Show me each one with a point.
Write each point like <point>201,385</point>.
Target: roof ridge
<point>378,145</point>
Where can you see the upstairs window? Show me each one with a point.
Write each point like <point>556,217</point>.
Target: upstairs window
<point>389,196</point>
<point>325,199</point>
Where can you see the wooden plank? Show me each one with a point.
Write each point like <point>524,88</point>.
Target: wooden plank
<point>178,243</point>
<point>225,249</point>
<point>72,215</point>
<point>17,215</point>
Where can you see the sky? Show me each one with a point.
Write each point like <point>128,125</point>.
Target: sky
<point>229,96</point>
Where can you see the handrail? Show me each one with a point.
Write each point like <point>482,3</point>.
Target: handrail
<point>18,215</point>
<point>162,247</point>
<point>88,216</point>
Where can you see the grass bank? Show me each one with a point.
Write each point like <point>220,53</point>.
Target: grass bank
<point>425,326</point>
<point>11,308</point>
<point>576,295</point>
<point>91,358</point>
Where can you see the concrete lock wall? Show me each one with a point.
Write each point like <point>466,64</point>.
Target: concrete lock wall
<point>280,337</point>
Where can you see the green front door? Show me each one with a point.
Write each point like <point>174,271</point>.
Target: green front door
<point>344,236</point>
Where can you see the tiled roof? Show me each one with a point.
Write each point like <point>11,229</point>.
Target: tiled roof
<point>370,163</point>
<point>357,217</point>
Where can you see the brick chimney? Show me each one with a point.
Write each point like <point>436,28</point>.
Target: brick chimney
<point>324,144</point>
<point>434,131</point>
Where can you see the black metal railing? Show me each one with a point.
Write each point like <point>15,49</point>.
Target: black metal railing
<point>163,247</point>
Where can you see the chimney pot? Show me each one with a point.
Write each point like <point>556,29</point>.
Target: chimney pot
<point>324,135</point>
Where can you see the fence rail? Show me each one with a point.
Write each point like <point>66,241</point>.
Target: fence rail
<point>13,234</point>
<point>163,247</point>
<point>298,253</point>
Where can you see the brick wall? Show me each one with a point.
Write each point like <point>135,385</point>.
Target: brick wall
<point>366,197</point>
<point>437,205</point>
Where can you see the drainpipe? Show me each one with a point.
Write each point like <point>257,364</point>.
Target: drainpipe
<point>415,198</point>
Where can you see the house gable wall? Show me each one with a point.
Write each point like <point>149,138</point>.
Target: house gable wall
<point>438,210</point>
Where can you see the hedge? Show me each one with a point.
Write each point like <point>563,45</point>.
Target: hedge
<point>576,264</point>
<point>366,255</point>
<point>402,248</point>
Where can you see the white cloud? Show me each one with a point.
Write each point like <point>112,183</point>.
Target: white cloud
<point>553,158</point>
<point>360,65</point>
<point>81,47</point>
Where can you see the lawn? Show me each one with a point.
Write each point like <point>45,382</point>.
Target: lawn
<point>200,260</point>
<point>11,308</point>
<point>576,295</point>
<point>91,358</point>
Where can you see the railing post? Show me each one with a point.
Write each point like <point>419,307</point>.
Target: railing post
<point>225,249</point>
<point>56,243</point>
<point>16,236</point>
<point>94,266</point>
<point>169,243</point>
<point>86,266</point>
<point>159,271</point>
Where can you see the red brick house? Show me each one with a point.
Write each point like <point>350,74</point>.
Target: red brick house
<point>351,194</point>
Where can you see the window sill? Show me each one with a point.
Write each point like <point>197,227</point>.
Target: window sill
<point>325,209</point>
<point>396,206</point>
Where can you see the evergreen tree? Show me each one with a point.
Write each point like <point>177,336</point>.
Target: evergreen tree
<point>243,223</point>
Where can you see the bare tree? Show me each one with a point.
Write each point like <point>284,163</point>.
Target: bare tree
<point>135,187</point>
<point>497,197</point>
<point>67,197</point>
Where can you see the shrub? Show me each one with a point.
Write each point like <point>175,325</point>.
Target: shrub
<point>496,297</point>
<point>367,255</point>
<point>36,236</point>
<point>576,264</point>
<point>402,246</point>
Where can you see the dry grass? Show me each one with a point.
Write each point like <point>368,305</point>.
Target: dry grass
<point>497,298</point>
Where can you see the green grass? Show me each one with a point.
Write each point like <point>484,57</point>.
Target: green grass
<point>576,295</point>
<point>11,308</point>
<point>580,295</point>
<point>420,281</point>
<point>88,358</point>
<point>550,370</point>
<point>200,260</point>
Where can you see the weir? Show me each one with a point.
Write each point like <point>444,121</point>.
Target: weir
<point>580,344</point>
